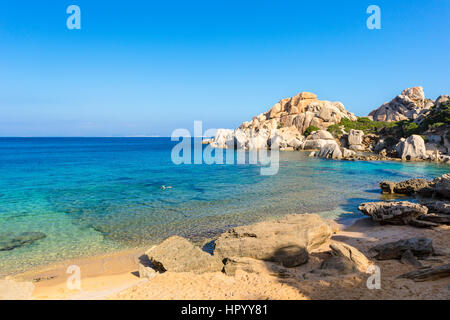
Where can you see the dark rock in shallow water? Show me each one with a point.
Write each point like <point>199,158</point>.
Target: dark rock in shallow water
<point>419,247</point>
<point>406,187</point>
<point>439,187</point>
<point>10,241</point>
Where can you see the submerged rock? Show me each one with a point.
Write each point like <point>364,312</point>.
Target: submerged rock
<point>398,213</point>
<point>177,254</point>
<point>10,241</point>
<point>285,241</point>
<point>410,186</point>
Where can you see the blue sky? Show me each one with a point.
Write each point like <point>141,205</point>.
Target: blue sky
<point>147,67</point>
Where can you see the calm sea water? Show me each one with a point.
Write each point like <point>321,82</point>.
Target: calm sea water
<point>97,195</point>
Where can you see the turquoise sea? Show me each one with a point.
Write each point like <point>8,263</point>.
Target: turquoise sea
<point>96,195</point>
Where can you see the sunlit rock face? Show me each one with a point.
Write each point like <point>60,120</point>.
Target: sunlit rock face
<point>285,123</point>
<point>408,105</point>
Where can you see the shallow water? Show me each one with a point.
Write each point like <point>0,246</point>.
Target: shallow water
<point>98,195</point>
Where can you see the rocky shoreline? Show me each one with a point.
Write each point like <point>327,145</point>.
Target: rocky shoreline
<point>299,256</point>
<point>408,128</point>
<point>283,247</point>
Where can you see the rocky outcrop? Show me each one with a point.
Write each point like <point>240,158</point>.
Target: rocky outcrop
<point>412,148</point>
<point>284,124</point>
<point>428,273</point>
<point>356,257</point>
<point>410,186</point>
<point>318,139</point>
<point>355,140</point>
<point>409,105</point>
<point>436,188</point>
<point>397,213</point>
<point>10,241</point>
<point>436,206</point>
<point>419,247</point>
<point>177,254</point>
<point>442,186</point>
<point>285,241</point>
<point>330,151</point>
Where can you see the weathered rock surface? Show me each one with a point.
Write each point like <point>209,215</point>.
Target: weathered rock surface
<point>146,272</point>
<point>437,206</point>
<point>177,254</point>
<point>407,106</point>
<point>355,140</point>
<point>412,148</point>
<point>336,265</point>
<point>419,247</point>
<point>330,151</point>
<point>350,253</point>
<point>285,241</point>
<point>410,186</point>
<point>319,139</point>
<point>436,188</point>
<point>428,273</point>
<point>10,241</point>
<point>286,121</point>
<point>442,186</point>
<point>398,213</point>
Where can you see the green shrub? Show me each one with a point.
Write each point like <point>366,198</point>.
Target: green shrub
<point>335,130</point>
<point>366,125</point>
<point>410,128</point>
<point>310,130</point>
<point>280,125</point>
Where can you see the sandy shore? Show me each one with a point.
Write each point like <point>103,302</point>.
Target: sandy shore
<point>115,276</point>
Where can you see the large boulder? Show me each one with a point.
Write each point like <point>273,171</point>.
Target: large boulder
<point>411,148</point>
<point>419,247</point>
<point>357,258</point>
<point>355,139</point>
<point>320,135</point>
<point>177,254</point>
<point>407,106</point>
<point>398,213</point>
<point>318,139</point>
<point>330,151</point>
<point>286,241</point>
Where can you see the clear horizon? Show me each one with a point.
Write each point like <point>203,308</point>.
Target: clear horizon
<point>146,68</point>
